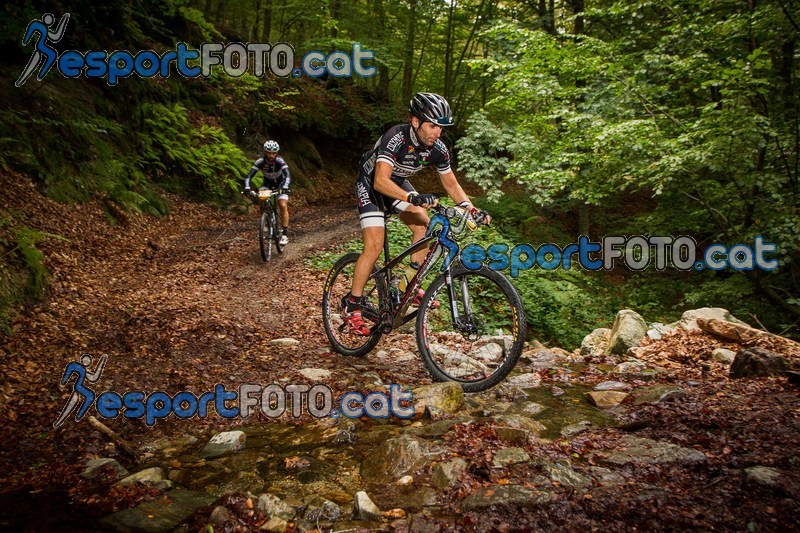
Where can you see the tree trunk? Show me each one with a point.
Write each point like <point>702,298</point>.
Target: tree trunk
<point>448,51</point>
<point>335,8</point>
<point>267,28</point>
<point>408,59</point>
<point>382,90</point>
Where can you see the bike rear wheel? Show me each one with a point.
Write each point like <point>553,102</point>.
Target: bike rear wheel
<point>337,286</point>
<point>482,346</point>
<point>265,235</point>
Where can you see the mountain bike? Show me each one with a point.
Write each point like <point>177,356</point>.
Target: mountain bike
<point>268,228</point>
<point>470,324</point>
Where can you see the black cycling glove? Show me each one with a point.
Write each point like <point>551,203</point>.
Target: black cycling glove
<point>419,200</point>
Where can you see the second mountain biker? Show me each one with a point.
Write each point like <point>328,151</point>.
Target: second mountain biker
<point>276,176</point>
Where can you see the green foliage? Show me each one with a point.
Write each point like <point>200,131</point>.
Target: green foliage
<point>26,239</point>
<point>24,278</point>
<point>696,112</point>
<point>175,149</point>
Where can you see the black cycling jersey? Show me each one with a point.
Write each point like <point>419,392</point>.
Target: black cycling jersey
<point>276,174</point>
<point>400,148</point>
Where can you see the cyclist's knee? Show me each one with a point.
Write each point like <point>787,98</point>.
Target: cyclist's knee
<point>415,216</point>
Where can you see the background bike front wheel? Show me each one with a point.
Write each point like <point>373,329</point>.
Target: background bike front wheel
<point>276,235</point>
<point>265,236</point>
<point>482,345</point>
<point>338,284</point>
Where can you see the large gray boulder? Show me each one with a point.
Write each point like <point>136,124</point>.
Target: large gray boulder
<point>689,318</point>
<point>627,332</point>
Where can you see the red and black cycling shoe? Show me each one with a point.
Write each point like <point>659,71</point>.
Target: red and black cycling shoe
<point>418,299</point>
<point>351,315</point>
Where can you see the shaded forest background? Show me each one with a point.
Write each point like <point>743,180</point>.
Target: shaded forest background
<point>572,116</point>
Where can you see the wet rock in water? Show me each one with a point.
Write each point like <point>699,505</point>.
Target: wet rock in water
<point>517,428</point>
<point>544,358</point>
<point>763,476</point>
<point>758,362</point>
<point>606,477</point>
<point>632,369</point>
<point>219,516</point>
<point>723,355</point>
<point>422,523</point>
<point>511,392</point>
<point>447,397</point>
<point>595,342</point>
<point>95,467</point>
<point>640,450</point>
<point>606,399</point>
<point>315,374</point>
<point>628,330</point>
<point>512,495</point>
<point>612,385</point>
<point>532,408</point>
<point>510,456</point>
<point>531,379</point>
<point>563,474</point>
<point>574,429</point>
<point>274,525</point>
<point>448,473</point>
<point>274,507</point>
<point>437,429</point>
<point>557,391</point>
<point>364,508</point>
<point>158,515</point>
<point>395,458</point>
<point>320,509</point>
<point>153,476</point>
<point>658,394</point>
<point>222,443</point>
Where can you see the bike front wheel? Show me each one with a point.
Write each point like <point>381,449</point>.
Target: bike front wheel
<point>265,235</point>
<point>472,329</point>
<point>337,286</point>
<point>276,234</point>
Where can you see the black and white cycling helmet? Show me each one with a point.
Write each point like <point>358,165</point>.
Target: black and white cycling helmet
<point>430,107</point>
<point>271,146</point>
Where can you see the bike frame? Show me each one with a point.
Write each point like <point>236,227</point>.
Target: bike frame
<point>435,240</point>
<point>271,201</point>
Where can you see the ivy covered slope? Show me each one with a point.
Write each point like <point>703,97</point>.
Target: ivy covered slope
<point>125,145</point>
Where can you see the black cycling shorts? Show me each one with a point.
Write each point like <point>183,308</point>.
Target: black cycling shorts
<point>374,206</point>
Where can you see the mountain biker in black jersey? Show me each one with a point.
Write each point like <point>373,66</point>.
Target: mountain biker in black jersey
<point>382,186</point>
<point>276,176</point>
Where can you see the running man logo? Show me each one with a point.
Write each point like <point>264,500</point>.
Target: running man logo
<point>44,54</point>
<point>79,390</point>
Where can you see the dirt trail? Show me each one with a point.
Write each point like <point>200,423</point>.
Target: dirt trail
<point>181,302</point>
